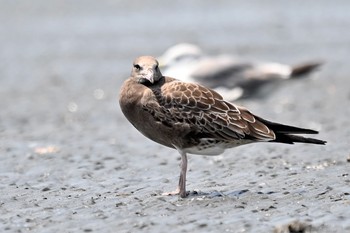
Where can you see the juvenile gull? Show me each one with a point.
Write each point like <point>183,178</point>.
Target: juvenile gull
<point>234,78</point>
<point>192,118</point>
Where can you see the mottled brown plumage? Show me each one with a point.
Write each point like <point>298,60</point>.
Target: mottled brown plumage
<point>194,119</point>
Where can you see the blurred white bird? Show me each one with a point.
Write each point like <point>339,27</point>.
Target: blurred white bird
<point>231,77</point>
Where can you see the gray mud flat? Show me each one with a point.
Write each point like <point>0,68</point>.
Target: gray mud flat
<point>70,161</point>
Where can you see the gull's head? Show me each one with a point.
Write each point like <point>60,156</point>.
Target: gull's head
<point>179,53</point>
<point>146,70</point>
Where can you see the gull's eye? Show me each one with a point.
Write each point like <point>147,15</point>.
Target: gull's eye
<point>156,68</point>
<point>137,67</point>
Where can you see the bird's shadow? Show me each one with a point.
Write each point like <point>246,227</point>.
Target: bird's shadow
<point>215,193</point>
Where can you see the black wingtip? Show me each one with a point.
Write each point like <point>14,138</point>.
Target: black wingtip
<point>291,139</point>
<point>304,69</point>
<point>286,133</point>
<point>286,129</point>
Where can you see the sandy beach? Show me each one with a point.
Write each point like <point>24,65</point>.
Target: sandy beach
<point>71,162</point>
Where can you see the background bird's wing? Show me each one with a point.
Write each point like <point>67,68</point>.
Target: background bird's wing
<point>206,112</point>
<point>221,71</point>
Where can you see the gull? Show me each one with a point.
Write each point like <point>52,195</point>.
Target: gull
<point>234,78</point>
<point>194,119</point>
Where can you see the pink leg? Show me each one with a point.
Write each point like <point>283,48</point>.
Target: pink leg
<point>182,180</point>
<point>181,188</point>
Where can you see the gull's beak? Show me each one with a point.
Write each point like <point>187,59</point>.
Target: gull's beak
<point>149,75</point>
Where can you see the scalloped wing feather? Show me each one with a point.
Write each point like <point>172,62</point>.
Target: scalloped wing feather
<point>206,112</point>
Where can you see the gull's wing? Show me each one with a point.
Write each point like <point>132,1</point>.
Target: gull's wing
<point>203,110</point>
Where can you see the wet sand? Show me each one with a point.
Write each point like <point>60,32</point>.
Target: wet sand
<point>71,162</point>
